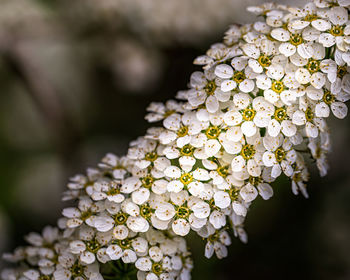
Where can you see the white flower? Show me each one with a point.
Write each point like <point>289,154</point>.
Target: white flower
<point>319,148</point>
<point>307,118</point>
<point>249,156</point>
<point>279,155</point>
<point>192,180</point>
<point>240,75</point>
<point>159,111</point>
<point>206,90</point>
<point>84,213</point>
<point>333,100</point>
<point>107,190</point>
<point>180,128</point>
<point>248,192</point>
<point>67,264</point>
<point>280,123</point>
<point>338,32</point>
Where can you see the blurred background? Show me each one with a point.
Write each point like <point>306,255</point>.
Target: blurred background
<point>75,79</point>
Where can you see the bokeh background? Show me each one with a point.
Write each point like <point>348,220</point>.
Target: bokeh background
<point>75,79</point>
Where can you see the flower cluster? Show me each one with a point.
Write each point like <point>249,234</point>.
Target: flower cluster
<point>255,111</point>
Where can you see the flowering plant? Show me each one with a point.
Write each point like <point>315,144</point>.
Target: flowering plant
<point>258,107</point>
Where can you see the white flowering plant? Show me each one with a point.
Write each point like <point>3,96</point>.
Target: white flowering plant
<point>254,113</point>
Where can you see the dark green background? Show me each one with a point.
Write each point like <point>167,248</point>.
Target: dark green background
<point>73,59</point>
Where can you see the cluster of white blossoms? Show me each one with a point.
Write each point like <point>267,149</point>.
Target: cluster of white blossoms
<point>254,113</point>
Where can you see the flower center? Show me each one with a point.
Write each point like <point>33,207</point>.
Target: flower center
<point>310,17</point>
<point>233,192</point>
<point>341,71</point>
<point>157,268</point>
<point>239,76</point>
<point>93,246</point>
<point>114,189</point>
<point>337,30</point>
<point>186,178</point>
<point>248,114</point>
<point>277,86</point>
<point>213,132</point>
<point>280,114</point>
<point>146,211</point>
<point>280,154</point>
<point>44,277</point>
<point>147,181</point>
<point>313,65</point>
<point>187,150</point>
<point>264,60</point>
<point>214,237</point>
<point>296,39</point>
<point>248,151</point>
<point>85,215</point>
<point>254,180</point>
<point>151,156</point>
<point>120,218</point>
<point>125,243</point>
<point>168,113</point>
<point>297,176</point>
<point>222,171</point>
<point>182,212</point>
<point>309,115</point>
<point>77,270</point>
<point>210,87</point>
<point>328,97</point>
<point>183,130</point>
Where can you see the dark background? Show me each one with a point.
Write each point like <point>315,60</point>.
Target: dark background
<point>75,79</point>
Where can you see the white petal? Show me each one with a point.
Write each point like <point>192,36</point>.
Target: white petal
<point>299,118</point>
<point>234,134</point>
<point>248,193</point>
<point>212,104</point>
<point>222,199</point>
<point>247,85</point>
<point>288,128</point>
<point>287,49</point>
<point>181,227</point>
<point>305,50</point>
<point>172,172</point>
<point>175,186</point>
<point>217,219</point>
<point>224,71</point>
<point>239,208</point>
<point>302,75</point>
<point>232,118</point>
<point>280,34</point>
<point>311,130</point>
<point>228,85</point>
<point>251,50</point>
<point>269,159</point>
<point>103,224</point>
<point>339,109</point>
<point>318,80</point>
<point>274,128</point>
<point>212,147</point>
<point>321,24</point>
<point>201,209</point>
<point>248,128</point>
<point>276,171</point>
<point>265,191</point>
<point>143,264</point>
<point>87,257</point>
<point>253,168</point>
<point>114,252</point>
<point>237,163</point>
<point>271,96</point>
